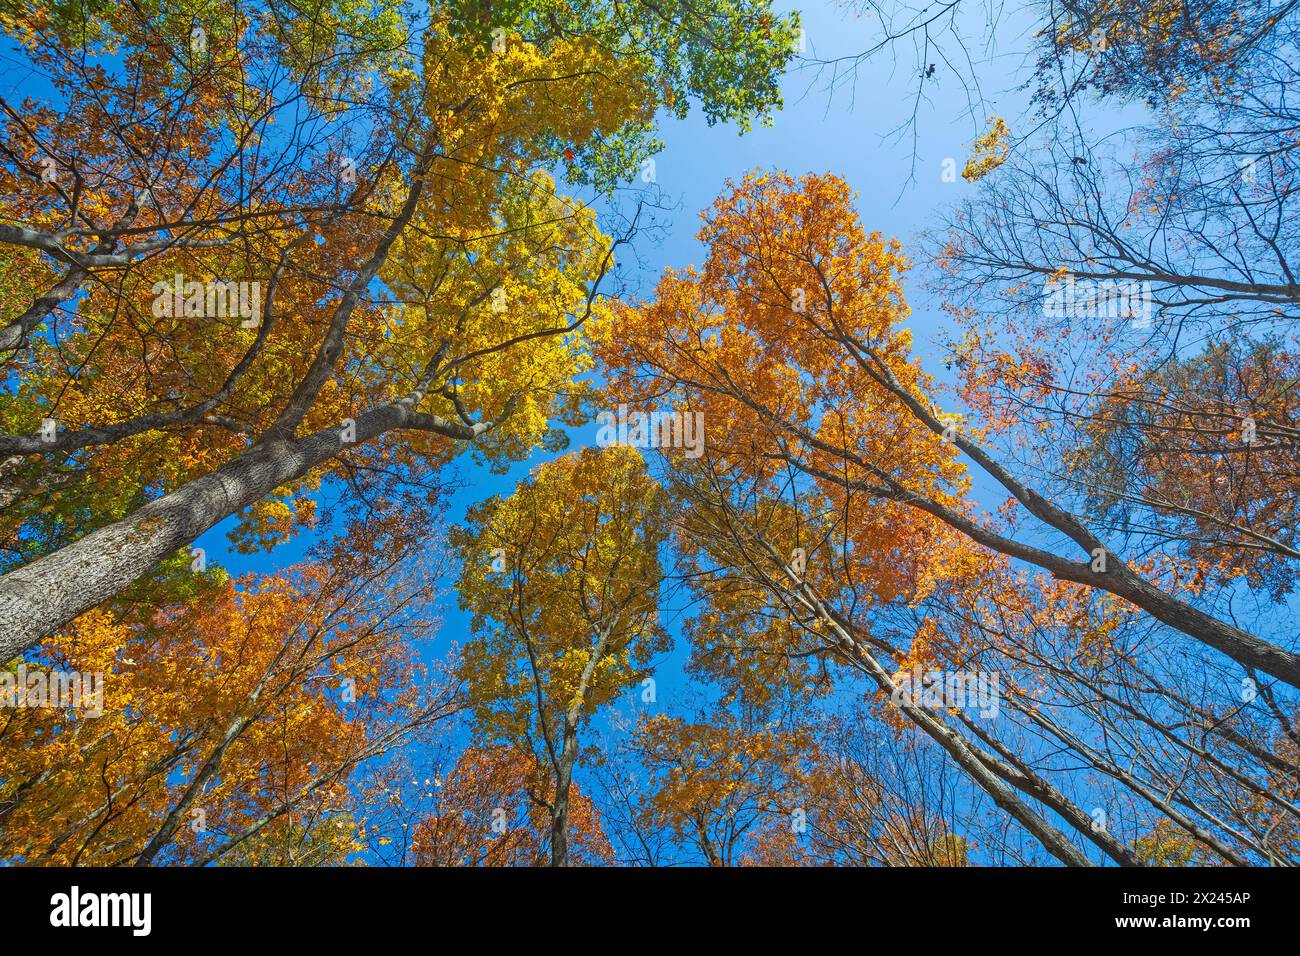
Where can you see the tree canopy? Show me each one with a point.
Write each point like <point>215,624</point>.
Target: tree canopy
<point>366,499</point>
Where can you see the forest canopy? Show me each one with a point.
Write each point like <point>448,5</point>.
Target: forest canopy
<point>378,488</point>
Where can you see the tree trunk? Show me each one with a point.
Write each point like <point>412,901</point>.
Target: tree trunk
<point>40,597</point>
<point>560,805</point>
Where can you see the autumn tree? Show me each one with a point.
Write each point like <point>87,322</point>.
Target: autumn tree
<point>715,784</point>
<point>1123,310</point>
<point>563,579</point>
<point>792,277</point>
<point>835,523</point>
<point>235,724</point>
<point>1157,50</point>
<point>411,283</point>
<point>1166,256</point>
<point>867,798</point>
<point>491,809</point>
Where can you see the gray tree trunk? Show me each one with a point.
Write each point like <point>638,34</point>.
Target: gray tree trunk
<point>39,598</point>
<point>560,806</point>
